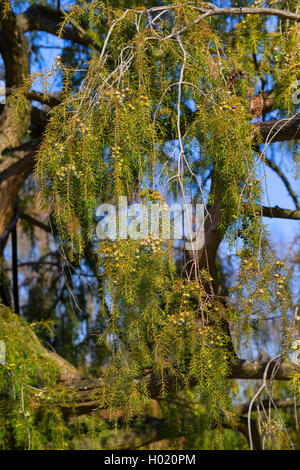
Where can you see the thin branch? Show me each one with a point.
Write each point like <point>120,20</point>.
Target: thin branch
<point>244,408</point>
<point>283,14</point>
<point>284,180</point>
<point>36,222</point>
<point>14,245</point>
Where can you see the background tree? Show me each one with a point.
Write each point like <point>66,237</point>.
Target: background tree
<point>185,101</point>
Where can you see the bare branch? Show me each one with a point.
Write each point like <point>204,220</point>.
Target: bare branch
<point>35,222</point>
<point>278,131</point>
<point>283,14</point>
<point>284,180</point>
<point>279,213</point>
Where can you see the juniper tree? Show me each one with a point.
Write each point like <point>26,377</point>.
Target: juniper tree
<point>163,102</point>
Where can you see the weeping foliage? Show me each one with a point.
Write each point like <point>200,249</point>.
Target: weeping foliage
<point>156,112</point>
<point>29,390</point>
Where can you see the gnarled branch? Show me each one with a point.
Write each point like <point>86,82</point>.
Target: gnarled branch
<point>47,19</point>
